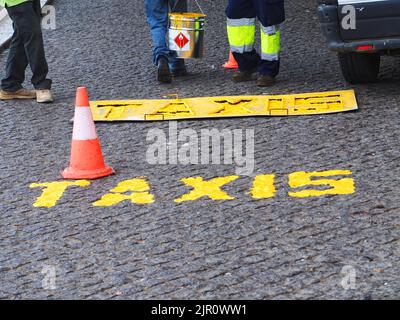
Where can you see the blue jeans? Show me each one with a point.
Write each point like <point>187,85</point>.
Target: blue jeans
<point>157,17</point>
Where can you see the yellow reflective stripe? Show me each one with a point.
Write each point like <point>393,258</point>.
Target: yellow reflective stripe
<point>270,44</point>
<point>241,36</point>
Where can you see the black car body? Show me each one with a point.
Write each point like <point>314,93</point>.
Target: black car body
<point>376,31</point>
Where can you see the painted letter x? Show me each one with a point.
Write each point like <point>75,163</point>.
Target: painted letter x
<point>210,188</point>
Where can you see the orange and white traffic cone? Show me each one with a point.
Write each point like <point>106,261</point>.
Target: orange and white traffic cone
<point>86,157</point>
<point>231,63</point>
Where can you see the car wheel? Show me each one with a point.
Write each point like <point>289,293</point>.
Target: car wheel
<point>360,67</point>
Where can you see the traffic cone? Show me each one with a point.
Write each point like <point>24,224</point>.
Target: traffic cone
<point>231,63</point>
<point>86,157</point>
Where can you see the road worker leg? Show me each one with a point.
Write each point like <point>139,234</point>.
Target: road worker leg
<point>241,27</point>
<point>270,13</point>
<point>157,18</point>
<point>26,47</point>
<point>176,65</point>
<point>270,50</point>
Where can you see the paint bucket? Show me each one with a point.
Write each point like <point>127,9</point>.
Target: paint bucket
<point>186,34</point>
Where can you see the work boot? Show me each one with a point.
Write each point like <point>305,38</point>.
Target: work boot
<point>44,96</point>
<point>265,81</point>
<point>178,67</point>
<point>181,72</point>
<point>19,94</point>
<point>163,73</point>
<point>242,76</point>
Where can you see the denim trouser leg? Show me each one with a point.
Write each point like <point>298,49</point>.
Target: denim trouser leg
<point>157,17</point>
<point>178,6</point>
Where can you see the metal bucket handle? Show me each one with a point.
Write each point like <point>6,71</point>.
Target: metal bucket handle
<point>197,3</point>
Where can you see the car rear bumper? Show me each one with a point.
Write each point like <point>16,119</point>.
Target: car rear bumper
<point>354,46</point>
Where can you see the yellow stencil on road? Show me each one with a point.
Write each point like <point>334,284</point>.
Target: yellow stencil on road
<point>53,191</point>
<point>263,187</point>
<point>139,189</point>
<point>338,186</point>
<point>210,188</point>
<point>221,107</point>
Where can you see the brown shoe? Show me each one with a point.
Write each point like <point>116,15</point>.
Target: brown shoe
<point>19,94</point>
<point>243,76</point>
<point>265,81</point>
<point>44,96</point>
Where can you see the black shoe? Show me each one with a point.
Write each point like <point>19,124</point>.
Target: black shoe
<point>181,72</point>
<point>265,81</point>
<point>242,76</point>
<point>163,73</point>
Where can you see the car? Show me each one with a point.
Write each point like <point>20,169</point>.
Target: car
<point>360,44</point>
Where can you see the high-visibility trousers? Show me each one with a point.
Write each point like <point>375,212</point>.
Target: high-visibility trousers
<point>241,26</point>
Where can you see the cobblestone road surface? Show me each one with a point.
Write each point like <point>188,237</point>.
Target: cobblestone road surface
<point>265,249</point>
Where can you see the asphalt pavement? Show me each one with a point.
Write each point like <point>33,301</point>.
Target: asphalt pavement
<point>281,247</point>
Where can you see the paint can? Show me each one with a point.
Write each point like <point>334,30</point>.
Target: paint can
<point>186,34</point>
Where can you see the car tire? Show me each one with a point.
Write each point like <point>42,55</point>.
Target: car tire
<point>360,67</point>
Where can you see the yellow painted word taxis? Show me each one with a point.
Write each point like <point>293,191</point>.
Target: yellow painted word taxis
<point>138,191</point>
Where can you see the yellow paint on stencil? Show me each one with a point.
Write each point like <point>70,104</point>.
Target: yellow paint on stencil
<point>210,188</point>
<point>225,106</point>
<point>263,187</point>
<point>305,179</point>
<point>139,189</point>
<point>53,191</point>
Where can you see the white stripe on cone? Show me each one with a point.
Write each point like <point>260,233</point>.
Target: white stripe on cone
<point>84,128</point>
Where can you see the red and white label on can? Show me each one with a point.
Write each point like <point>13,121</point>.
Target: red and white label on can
<point>179,40</point>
